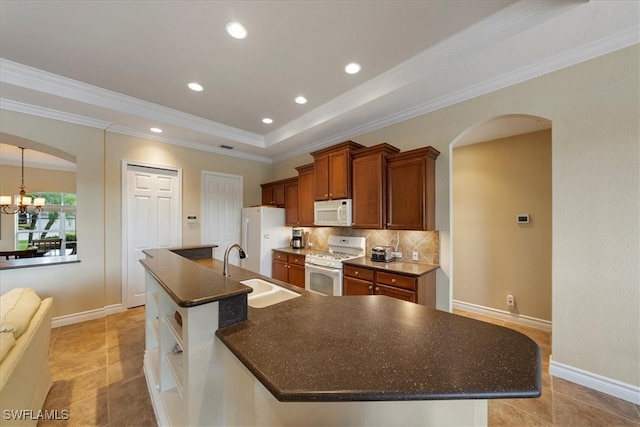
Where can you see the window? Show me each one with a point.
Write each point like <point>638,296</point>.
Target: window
<point>57,221</point>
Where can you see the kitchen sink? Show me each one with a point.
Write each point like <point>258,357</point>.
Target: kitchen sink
<point>266,293</point>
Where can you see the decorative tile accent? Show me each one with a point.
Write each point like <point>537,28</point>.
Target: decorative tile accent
<point>426,243</point>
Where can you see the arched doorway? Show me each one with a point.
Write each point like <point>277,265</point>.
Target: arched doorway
<point>500,170</point>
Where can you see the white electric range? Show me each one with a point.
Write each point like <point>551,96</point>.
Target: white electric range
<point>323,270</point>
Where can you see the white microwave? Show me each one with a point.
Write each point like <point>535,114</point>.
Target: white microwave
<point>336,213</point>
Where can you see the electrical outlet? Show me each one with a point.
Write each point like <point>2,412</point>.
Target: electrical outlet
<point>414,256</point>
<point>511,301</point>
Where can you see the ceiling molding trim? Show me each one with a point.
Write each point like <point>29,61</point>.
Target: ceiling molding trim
<point>38,165</point>
<point>507,22</point>
<point>19,107</point>
<point>620,40</point>
<point>188,144</point>
<point>43,81</point>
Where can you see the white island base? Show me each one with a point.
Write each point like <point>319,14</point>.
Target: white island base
<point>195,380</point>
<point>246,402</point>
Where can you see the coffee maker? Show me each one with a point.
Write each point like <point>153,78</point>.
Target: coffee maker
<point>297,238</point>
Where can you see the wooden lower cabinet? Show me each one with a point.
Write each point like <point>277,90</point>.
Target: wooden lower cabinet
<point>352,286</point>
<point>288,268</point>
<point>367,281</point>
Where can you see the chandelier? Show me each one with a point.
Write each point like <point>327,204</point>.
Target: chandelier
<point>22,203</point>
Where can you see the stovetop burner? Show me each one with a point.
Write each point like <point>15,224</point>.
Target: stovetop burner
<point>332,255</point>
<point>340,248</point>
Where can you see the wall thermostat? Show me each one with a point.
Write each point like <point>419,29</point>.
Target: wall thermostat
<point>192,218</point>
<point>523,218</point>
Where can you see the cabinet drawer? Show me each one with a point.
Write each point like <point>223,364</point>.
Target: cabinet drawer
<point>296,259</point>
<point>279,256</point>
<point>392,291</point>
<point>397,280</point>
<point>358,272</point>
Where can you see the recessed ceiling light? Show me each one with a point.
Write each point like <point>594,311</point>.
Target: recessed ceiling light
<point>156,130</point>
<point>195,86</point>
<point>267,120</point>
<point>236,30</point>
<point>301,100</point>
<point>352,68</point>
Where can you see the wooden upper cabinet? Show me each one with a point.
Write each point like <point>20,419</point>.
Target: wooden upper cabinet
<point>369,185</point>
<point>306,194</point>
<point>411,189</point>
<point>273,193</point>
<point>333,171</point>
<point>291,203</point>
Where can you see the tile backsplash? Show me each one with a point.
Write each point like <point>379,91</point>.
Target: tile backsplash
<point>426,243</point>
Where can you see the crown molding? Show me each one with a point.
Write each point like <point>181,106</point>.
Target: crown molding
<point>505,23</point>
<point>34,110</point>
<point>188,144</point>
<point>42,81</point>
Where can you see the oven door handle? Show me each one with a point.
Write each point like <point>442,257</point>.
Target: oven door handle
<point>321,268</point>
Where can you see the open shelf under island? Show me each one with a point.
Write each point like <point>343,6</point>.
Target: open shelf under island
<point>317,360</point>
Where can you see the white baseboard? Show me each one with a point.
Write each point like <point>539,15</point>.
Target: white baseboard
<point>70,319</point>
<point>596,382</point>
<point>532,322</point>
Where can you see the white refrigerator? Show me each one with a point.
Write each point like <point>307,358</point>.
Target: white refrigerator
<point>263,229</point>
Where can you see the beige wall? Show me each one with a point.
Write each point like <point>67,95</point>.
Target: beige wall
<point>122,147</point>
<point>36,180</point>
<point>80,287</point>
<point>494,255</point>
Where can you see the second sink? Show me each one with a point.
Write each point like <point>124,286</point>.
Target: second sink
<point>266,293</point>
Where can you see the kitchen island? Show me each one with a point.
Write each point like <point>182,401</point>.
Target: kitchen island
<point>316,360</point>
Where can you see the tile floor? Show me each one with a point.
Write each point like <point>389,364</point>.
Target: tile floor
<point>98,378</point>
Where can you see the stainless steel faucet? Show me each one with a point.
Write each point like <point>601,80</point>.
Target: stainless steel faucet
<point>225,268</point>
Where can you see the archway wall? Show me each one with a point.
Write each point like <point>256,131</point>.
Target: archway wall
<point>594,107</point>
<point>493,254</point>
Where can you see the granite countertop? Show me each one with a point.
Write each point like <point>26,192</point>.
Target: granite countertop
<point>190,284</point>
<point>358,348</point>
<point>401,267</point>
<point>317,348</point>
<point>303,251</point>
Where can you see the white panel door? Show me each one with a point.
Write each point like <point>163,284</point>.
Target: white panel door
<point>151,210</point>
<point>221,211</point>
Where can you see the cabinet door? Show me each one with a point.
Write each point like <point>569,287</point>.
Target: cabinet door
<point>279,271</point>
<point>278,195</point>
<point>394,292</point>
<point>291,204</point>
<point>406,195</point>
<point>368,207</point>
<point>321,167</point>
<point>267,195</point>
<point>351,286</point>
<point>296,275</point>
<point>339,175</point>
<point>306,195</point>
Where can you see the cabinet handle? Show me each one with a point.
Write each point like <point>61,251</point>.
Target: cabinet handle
<point>356,273</point>
<point>377,289</point>
<point>393,280</point>
<point>370,287</point>
<point>326,195</point>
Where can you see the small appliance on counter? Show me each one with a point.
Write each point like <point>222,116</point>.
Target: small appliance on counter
<point>297,238</point>
<point>382,254</point>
